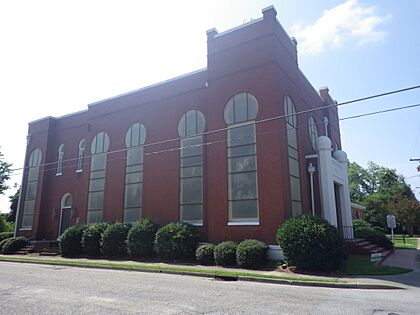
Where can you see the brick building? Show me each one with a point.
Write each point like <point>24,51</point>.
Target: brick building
<point>235,148</point>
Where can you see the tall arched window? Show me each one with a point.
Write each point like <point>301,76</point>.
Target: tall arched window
<point>65,213</point>
<point>98,148</point>
<point>80,156</point>
<point>60,160</point>
<point>240,113</point>
<point>313,131</point>
<point>134,140</point>
<point>293,153</point>
<point>190,129</point>
<point>31,189</point>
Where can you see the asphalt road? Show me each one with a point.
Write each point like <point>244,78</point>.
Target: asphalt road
<point>38,289</point>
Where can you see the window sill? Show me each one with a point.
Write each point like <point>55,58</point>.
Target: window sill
<point>58,174</point>
<point>243,223</point>
<point>79,171</point>
<point>25,229</point>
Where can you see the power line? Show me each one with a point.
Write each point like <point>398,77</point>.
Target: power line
<point>221,140</point>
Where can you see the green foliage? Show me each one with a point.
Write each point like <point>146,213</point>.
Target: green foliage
<point>141,238</point>
<point>4,241</point>
<point>205,254</point>
<point>4,235</point>
<point>92,237</point>
<point>5,171</point>
<point>311,243</point>
<point>14,200</point>
<point>251,254</point>
<point>114,240</point>
<point>365,230</point>
<point>71,241</point>
<point>13,244</point>
<point>5,226</point>
<point>225,254</point>
<point>177,240</point>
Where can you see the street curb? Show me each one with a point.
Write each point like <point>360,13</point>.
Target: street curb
<point>341,285</point>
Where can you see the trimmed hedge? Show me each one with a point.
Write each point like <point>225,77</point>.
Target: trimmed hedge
<point>114,240</point>
<point>141,238</point>
<point>205,254</point>
<point>4,235</point>
<point>311,243</point>
<point>13,244</point>
<point>92,237</point>
<point>177,240</point>
<point>251,254</point>
<point>71,241</point>
<point>225,254</point>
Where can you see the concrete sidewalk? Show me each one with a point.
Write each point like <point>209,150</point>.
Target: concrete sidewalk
<point>275,277</point>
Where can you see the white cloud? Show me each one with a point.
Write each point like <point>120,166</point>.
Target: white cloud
<point>347,22</point>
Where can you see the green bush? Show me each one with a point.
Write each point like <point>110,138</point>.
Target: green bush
<point>91,239</point>
<point>4,235</point>
<point>13,244</point>
<point>141,238</point>
<point>363,229</point>
<point>5,226</point>
<point>205,254</point>
<point>4,242</point>
<point>225,254</point>
<point>311,243</point>
<point>71,241</point>
<point>177,240</point>
<point>251,254</point>
<point>114,240</point>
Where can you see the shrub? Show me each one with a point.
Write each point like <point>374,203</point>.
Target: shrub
<point>311,243</point>
<point>205,254</point>
<point>4,235</point>
<point>91,239</point>
<point>363,229</point>
<point>177,240</point>
<point>251,254</point>
<point>4,242</point>
<point>225,254</point>
<point>13,244</point>
<point>71,241</point>
<point>114,240</point>
<point>141,238</point>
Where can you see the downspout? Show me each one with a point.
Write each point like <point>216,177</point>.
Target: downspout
<point>311,171</point>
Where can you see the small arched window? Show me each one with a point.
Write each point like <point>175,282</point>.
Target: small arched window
<point>293,154</point>
<point>326,125</point>
<point>66,201</point>
<point>60,160</point>
<point>80,155</point>
<point>134,141</point>
<point>65,213</point>
<point>313,131</point>
<point>190,129</point>
<point>240,113</point>
<point>30,190</point>
<point>98,147</point>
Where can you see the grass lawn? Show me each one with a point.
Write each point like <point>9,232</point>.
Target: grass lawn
<point>361,265</point>
<point>410,243</point>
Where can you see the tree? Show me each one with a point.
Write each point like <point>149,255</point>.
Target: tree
<point>5,170</point>
<point>11,217</point>
<point>407,212</point>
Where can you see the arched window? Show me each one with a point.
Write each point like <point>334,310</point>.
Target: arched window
<point>31,189</point>
<point>293,154</point>
<point>60,160</point>
<point>313,131</point>
<point>134,140</point>
<point>66,209</point>
<point>240,113</point>
<point>326,125</point>
<point>190,129</point>
<point>80,156</point>
<point>98,148</point>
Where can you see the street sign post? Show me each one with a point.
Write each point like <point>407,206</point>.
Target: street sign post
<point>392,224</point>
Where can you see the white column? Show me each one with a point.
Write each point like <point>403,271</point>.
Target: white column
<point>326,182</point>
<point>346,218</point>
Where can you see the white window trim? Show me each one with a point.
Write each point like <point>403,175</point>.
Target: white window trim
<point>233,223</point>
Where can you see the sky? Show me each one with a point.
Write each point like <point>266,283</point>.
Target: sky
<point>57,57</point>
